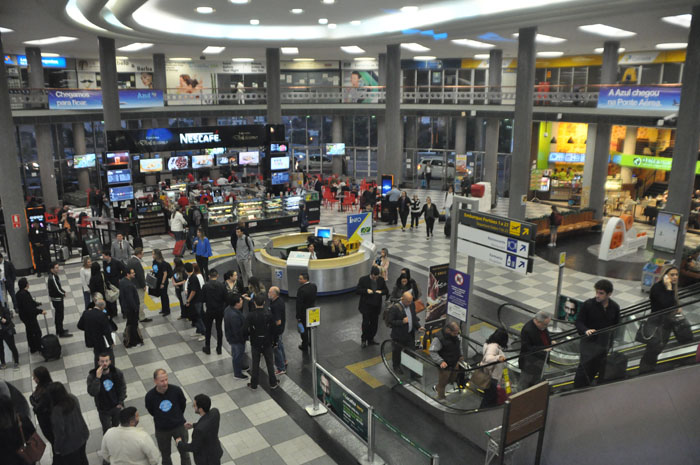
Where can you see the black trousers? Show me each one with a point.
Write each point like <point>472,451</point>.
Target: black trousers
<point>111,309</point>
<point>58,315</point>
<point>490,398</point>
<point>414,219</point>
<point>394,208</point>
<point>109,418</point>
<point>305,340</point>
<point>33,335</point>
<point>210,317</point>
<point>370,323</point>
<point>178,293</point>
<point>429,223</point>
<point>266,352</point>
<point>655,346</point>
<point>404,218</point>
<point>8,339</point>
<point>396,350</point>
<point>164,300</point>
<point>41,258</point>
<point>593,358</point>
<point>203,263</point>
<point>428,177</point>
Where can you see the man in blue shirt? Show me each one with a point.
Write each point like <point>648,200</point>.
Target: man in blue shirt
<point>393,198</point>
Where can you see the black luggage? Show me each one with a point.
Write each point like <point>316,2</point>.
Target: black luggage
<point>615,366</point>
<point>50,345</point>
<point>448,226</point>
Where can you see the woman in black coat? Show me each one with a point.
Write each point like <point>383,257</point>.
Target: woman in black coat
<point>41,402</point>
<point>404,209</point>
<point>405,283</point>
<point>10,435</point>
<point>662,295</point>
<point>7,336</point>
<point>430,213</point>
<point>28,309</point>
<point>97,285</point>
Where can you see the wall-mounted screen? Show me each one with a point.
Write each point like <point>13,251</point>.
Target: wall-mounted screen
<point>118,194</point>
<point>118,176</point>
<point>84,161</point>
<point>117,158</point>
<point>222,161</point>
<point>202,161</point>
<point>335,149</point>
<point>280,178</point>
<point>178,163</point>
<point>278,148</point>
<point>151,165</point>
<point>249,158</point>
<point>279,163</point>
<point>215,151</point>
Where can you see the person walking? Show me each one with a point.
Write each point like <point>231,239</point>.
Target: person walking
<point>404,206</point>
<point>40,249</point>
<point>493,352</point>
<point>128,443</point>
<point>129,301</point>
<point>8,275</point>
<point>428,173</point>
<point>163,272</point>
<point>449,200</point>
<point>166,403</point>
<point>278,310</point>
<point>306,297</point>
<point>393,198</point>
<point>41,402</point>
<point>193,299</point>
<point>98,328</point>
<point>28,309</point>
<point>114,271</point>
<point>194,222</point>
<point>555,220</point>
<point>234,329</point>
<point>261,332</point>
<point>106,384</point>
<point>372,289</point>
<point>430,213</point>
<point>178,224</point>
<point>57,294</point>
<point>70,432</point>
<point>446,351</point>
<point>205,445</point>
<point>85,275</point>
<point>244,249</point>
<point>415,211</point>
<point>136,263</point>
<point>202,250</point>
<point>404,323</point>
<point>7,336</point>
<point>121,249</point>
<point>178,280</point>
<point>535,343</point>
<point>214,296</point>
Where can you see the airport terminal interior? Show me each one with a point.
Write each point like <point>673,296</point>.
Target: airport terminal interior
<point>482,221</point>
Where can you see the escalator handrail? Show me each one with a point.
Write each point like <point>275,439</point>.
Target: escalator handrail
<point>507,304</point>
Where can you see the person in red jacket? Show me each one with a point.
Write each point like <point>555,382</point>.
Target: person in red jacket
<point>190,177</point>
<point>182,201</point>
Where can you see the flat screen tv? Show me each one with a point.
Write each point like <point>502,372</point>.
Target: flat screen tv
<point>178,163</point>
<point>202,161</point>
<point>84,161</point>
<point>222,161</point>
<point>117,158</point>
<point>324,233</point>
<point>121,193</point>
<point>151,165</point>
<point>118,176</point>
<point>279,163</point>
<point>335,149</point>
<point>278,148</point>
<point>249,158</point>
<point>215,151</point>
<point>280,178</point>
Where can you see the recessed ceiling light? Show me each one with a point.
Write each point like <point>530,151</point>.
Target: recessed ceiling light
<point>213,50</point>
<point>304,59</point>
<point>679,20</point>
<point>409,9</point>
<point>600,50</point>
<point>254,22</point>
<point>5,30</point>
<point>356,22</point>
<point>328,2</point>
<point>323,21</point>
<point>135,47</point>
<point>606,31</point>
<point>180,59</point>
<point>296,11</point>
<point>289,50</point>
<point>414,47</point>
<point>365,59</point>
<point>243,60</point>
<point>239,2</point>
<point>122,58</point>
<point>332,26</point>
<point>545,39</point>
<point>549,54</point>
<point>472,43</point>
<point>49,54</point>
<point>482,56</point>
<point>204,10</point>
<point>51,40</point>
<point>668,46</point>
<point>424,58</point>
<point>352,49</point>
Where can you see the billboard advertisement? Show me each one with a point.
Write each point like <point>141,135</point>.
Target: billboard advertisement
<point>640,98</point>
<point>183,139</point>
<point>90,99</point>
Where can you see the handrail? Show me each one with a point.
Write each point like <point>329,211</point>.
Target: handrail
<point>502,306</point>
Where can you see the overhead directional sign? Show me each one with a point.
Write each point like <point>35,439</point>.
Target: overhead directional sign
<point>498,225</point>
<point>495,257</point>
<point>520,248</point>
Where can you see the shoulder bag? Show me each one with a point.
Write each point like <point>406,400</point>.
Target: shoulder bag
<point>648,334</point>
<point>111,292</point>
<point>32,449</point>
<point>681,329</point>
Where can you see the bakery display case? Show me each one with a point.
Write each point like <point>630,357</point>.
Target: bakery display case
<point>249,210</point>
<point>273,207</point>
<point>291,204</point>
<point>221,220</point>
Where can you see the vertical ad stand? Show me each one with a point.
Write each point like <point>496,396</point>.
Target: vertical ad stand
<point>313,320</point>
<point>562,262</point>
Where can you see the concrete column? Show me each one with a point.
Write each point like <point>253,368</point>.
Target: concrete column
<point>587,179</point>
<point>493,125</point>
<point>629,148</point>
<point>338,161</point>
<point>599,171</point>
<point>461,135</point>
<point>685,154</point>
<point>80,148</point>
<point>159,81</point>
<point>381,119</point>
<point>274,96</point>
<point>110,92</point>
<point>393,161</point>
<point>522,132</point>
<point>11,188</point>
<point>411,143</point>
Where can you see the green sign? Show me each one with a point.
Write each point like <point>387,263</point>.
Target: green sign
<point>343,403</point>
<point>498,225</point>
<point>649,163</point>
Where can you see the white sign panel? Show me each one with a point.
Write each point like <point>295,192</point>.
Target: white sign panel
<point>494,241</point>
<point>298,259</point>
<point>494,257</point>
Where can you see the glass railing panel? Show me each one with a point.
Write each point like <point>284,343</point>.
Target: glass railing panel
<point>395,446</point>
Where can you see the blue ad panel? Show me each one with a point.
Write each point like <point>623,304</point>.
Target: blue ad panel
<point>640,97</point>
<point>88,99</point>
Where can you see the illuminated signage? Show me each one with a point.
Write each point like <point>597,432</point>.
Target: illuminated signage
<point>199,137</point>
<point>562,157</point>
<point>47,62</point>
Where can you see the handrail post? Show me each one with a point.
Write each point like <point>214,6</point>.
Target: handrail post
<point>370,435</point>
<point>435,460</point>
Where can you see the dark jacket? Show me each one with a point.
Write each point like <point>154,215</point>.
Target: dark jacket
<point>108,390</point>
<point>98,330</point>
<point>135,264</point>
<point>214,295</point>
<point>373,301</point>
<point>70,431</point>
<point>114,271</point>
<point>97,283</point>
<point>167,409</point>
<point>260,328</point>
<point>431,212</point>
<point>11,440</point>
<point>404,205</point>
<point>306,297</point>
<point>7,327</point>
<point>531,340</point>
<point>56,292</point>
<point>205,445</point>
<point>278,310</point>
<point>399,329</point>
<point>129,300</point>
<point>27,308</point>
<point>450,350</point>
<point>594,316</point>
<point>10,273</point>
<point>398,290</point>
<point>234,326</point>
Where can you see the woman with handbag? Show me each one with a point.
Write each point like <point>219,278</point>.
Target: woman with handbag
<point>68,425</point>
<point>7,336</point>
<point>493,352</point>
<point>15,431</point>
<point>98,285</point>
<point>656,330</point>
<point>41,402</point>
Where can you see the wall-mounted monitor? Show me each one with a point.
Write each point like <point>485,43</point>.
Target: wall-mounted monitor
<point>121,193</point>
<point>178,163</point>
<point>215,151</point>
<point>278,148</point>
<point>118,176</point>
<point>249,158</point>
<point>335,149</point>
<point>281,177</point>
<point>151,165</point>
<point>222,161</point>
<point>279,163</point>
<point>117,158</point>
<point>202,161</point>
<point>84,161</point>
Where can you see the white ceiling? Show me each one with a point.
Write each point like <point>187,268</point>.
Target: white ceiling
<point>37,19</point>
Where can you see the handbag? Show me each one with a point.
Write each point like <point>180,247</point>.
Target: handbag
<point>32,449</point>
<point>645,336</point>
<point>481,377</point>
<point>111,293</point>
<point>682,330</point>
<point>420,306</point>
<point>151,280</point>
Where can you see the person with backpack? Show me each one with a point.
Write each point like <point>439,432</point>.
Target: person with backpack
<point>261,332</point>
<point>555,219</point>
<point>371,289</point>
<point>194,222</point>
<point>244,247</point>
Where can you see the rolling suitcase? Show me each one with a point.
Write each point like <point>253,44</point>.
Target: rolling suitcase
<point>615,366</point>
<point>477,190</point>
<point>448,226</point>
<point>179,248</point>
<point>50,346</point>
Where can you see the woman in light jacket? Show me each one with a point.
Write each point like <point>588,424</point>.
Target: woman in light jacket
<point>383,263</point>
<point>85,275</point>
<point>493,352</point>
<point>449,199</point>
<point>178,224</point>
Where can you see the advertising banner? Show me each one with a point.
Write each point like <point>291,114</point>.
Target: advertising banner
<point>640,97</point>
<point>88,99</point>
<point>360,227</point>
<point>436,297</point>
<point>353,83</point>
<point>648,163</point>
<point>172,139</point>
<point>568,308</point>
<point>343,403</point>
<point>461,164</point>
<point>458,295</point>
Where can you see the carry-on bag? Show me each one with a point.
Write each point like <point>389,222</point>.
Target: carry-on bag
<point>50,345</point>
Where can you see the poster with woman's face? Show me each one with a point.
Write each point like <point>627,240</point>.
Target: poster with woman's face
<point>144,80</point>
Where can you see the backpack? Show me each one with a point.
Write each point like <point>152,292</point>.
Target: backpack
<point>388,310</point>
<point>195,217</point>
<point>557,219</point>
<point>259,337</point>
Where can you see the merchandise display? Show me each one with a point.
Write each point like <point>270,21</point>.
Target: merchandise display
<point>221,214</point>
<point>291,204</point>
<point>248,210</point>
<point>152,218</point>
<point>273,207</point>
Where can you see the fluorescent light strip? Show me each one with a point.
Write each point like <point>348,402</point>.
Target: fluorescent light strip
<point>668,46</point>
<point>679,20</point>
<point>328,2</point>
<point>482,56</point>
<point>289,50</point>
<point>352,49</point>
<point>600,50</point>
<point>239,2</point>
<point>243,60</point>
<point>323,21</point>
<point>472,43</point>
<point>296,11</point>
<point>254,22</point>
<point>204,10</point>
<point>304,60</point>
<point>365,59</point>
<point>606,31</point>
<point>414,47</point>
<point>549,54</point>
<point>545,39</point>
<point>213,50</point>
<point>180,59</point>
<point>356,22</point>
<point>135,47</point>
<point>5,30</point>
<point>409,9</point>
<point>51,40</point>
<point>49,54</point>
<point>424,58</point>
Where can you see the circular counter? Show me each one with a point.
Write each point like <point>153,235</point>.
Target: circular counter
<point>331,275</point>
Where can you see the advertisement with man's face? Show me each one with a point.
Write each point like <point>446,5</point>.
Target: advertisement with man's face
<point>568,308</point>
<point>355,83</point>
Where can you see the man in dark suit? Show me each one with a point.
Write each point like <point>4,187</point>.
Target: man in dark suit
<point>371,289</point>
<point>129,301</point>
<point>306,297</point>
<point>9,275</point>
<point>214,293</point>
<point>404,323</point>
<point>205,445</point>
<point>534,337</point>
<point>28,310</point>
<point>98,330</point>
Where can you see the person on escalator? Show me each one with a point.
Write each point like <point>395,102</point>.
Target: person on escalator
<point>493,352</point>
<point>662,295</point>
<point>445,350</point>
<point>535,340</point>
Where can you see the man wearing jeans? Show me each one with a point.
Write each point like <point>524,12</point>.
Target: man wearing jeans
<point>234,326</point>
<point>277,308</point>
<point>166,404</point>
<point>243,247</point>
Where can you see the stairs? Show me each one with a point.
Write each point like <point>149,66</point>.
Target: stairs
<point>655,189</point>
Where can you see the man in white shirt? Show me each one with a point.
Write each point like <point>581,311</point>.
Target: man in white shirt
<point>128,444</point>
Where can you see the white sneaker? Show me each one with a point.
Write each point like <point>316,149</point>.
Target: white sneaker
<point>551,244</point>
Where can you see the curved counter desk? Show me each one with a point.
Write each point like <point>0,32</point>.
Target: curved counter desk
<point>331,275</point>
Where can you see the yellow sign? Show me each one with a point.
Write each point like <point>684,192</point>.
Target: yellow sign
<point>562,259</point>
<point>313,316</point>
<point>514,228</point>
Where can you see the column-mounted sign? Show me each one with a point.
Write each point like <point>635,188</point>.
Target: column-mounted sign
<point>520,248</point>
<point>16,224</point>
<point>313,316</point>
<point>495,257</point>
<point>458,295</point>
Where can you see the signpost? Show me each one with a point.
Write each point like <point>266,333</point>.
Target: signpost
<point>496,257</point>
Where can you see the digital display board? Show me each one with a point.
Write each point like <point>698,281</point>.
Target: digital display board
<point>178,163</point>
<point>84,161</point>
<point>279,163</point>
<point>118,176</point>
<point>151,165</point>
<point>118,194</point>
<point>280,178</point>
